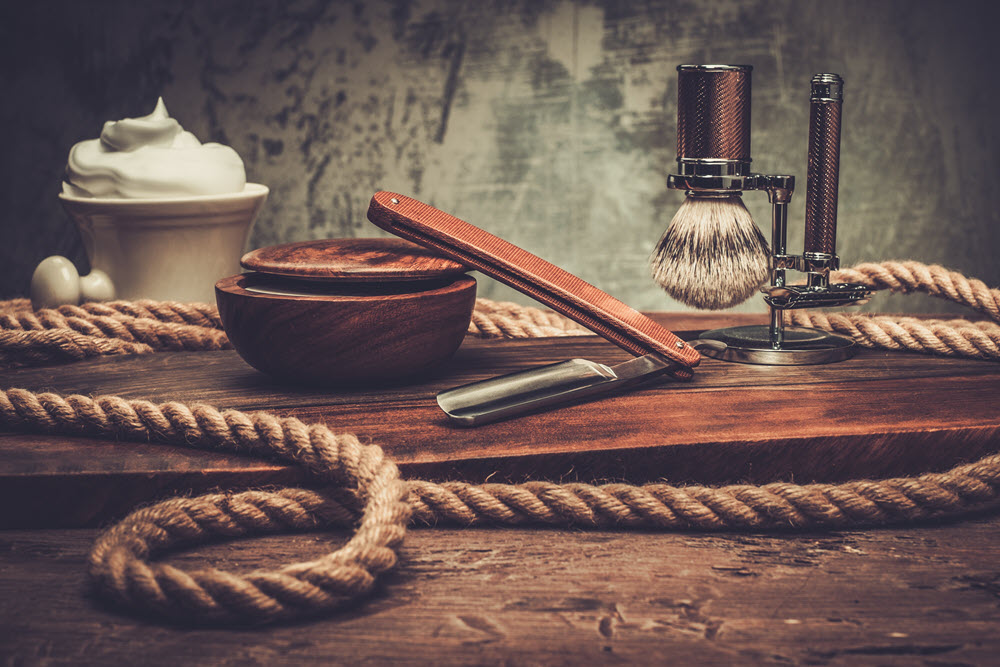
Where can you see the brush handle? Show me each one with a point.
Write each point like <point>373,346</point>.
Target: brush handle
<point>824,164</point>
<point>713,112</point>
<point>531,275</point>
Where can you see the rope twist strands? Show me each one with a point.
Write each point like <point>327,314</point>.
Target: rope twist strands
<point>367,484</point>
<point>198,314</point>
<point>125,327</point>
<point>771,506</point>
<point>118,561</point>
<point>954,338</point>
<point>58,345</point>
<point>503,319</point>
<point>71,333</point>
<point>933,279</point>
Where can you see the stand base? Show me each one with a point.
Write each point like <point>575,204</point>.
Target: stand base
<point>801,346</point>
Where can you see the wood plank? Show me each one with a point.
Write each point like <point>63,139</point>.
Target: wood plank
<point>882,413</point>
<point>924,595</point>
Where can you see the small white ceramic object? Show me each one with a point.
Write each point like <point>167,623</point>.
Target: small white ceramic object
<point>170,248</point>
<point>57,282</point>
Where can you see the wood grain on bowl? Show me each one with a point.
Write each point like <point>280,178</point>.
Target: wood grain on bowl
<point>357,260</point>
<point>347,338</point>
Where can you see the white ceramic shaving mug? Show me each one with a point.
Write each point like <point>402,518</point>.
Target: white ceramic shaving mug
<point>166,249</point>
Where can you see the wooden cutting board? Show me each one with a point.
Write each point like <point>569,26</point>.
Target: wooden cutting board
<point>879,414</point>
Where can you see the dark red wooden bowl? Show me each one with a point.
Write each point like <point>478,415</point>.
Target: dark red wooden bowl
<point>348,311</point>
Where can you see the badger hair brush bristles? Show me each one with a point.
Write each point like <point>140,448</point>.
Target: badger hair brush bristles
<point>712,255</point>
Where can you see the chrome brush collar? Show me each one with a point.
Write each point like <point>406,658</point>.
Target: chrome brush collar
<point>713,175</point>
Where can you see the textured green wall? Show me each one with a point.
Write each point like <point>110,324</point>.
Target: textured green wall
<point>551,124</point>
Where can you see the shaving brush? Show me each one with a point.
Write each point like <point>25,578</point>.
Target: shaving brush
<point>712,255</point>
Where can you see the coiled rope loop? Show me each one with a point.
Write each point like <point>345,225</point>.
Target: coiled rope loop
<point>119,565</point>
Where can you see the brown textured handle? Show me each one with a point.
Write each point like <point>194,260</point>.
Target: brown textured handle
<point>713,112</point>
<point>823,176</point>
<point>531,275</point>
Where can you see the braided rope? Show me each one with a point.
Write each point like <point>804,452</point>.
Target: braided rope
<point>503,319</point>
<point>196,314</point>
<point>366,484</point>
<point>953,338</point>
<point>933,279</point>
<point>140,327</point>
<point>73,333</point>
<point>118,562</point>
<point>96,333</point>
<point>771,506</point>
<point>59,345</point>
<point>363,484</point>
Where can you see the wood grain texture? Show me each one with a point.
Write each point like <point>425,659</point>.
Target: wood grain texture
<point>881,413</point>
<point>349,338</point>
<point>352,260</point>
<point>543,281</point>
<point>923,595</point>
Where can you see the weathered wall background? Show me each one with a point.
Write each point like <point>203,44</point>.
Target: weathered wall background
<point>550,123</point>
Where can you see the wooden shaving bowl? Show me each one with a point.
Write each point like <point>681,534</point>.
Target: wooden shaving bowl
<point>346,311</point>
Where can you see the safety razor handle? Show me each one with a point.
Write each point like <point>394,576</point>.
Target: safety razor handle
<point>713,112</point>
<point>823,172</point>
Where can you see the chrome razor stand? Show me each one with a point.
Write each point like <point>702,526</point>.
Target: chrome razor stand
<point>776,344</point>
<point>779,193</point>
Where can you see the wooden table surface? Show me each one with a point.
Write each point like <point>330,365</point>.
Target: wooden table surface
<point>927,594</point>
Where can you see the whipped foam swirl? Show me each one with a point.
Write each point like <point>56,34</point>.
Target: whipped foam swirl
<point>151,157</point>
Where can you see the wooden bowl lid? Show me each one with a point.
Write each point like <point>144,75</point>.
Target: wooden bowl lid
<point>352,260</point>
